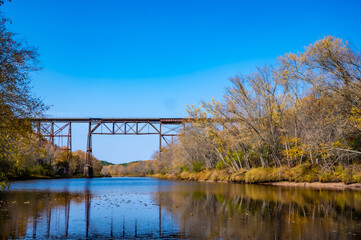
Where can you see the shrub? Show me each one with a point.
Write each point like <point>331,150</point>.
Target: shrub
<point>239,177</point>
<point>347,175</point>
<point>356,173</point>
<point>327,176</point>
<point>281,174</point>
<point>305,173</point>
<point>338,173</point>
<point>184,168</point>
<point>357,177</point>
<point>185,175</point>
<point>259,175</point>
<point>214,175</point>
<point>202,176</point>
<point>220,165</point>
<point>223,176</point>
<point>197,166</point>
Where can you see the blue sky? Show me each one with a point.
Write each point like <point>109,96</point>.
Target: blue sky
<point>115,58</point>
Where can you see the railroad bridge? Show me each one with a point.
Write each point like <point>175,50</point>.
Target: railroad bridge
<point>56,129</point>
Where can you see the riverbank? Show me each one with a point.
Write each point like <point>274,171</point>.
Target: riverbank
<point>310,176</point>
<point>317,185</point>
<point>40,177</point>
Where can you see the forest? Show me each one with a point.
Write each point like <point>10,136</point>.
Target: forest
<point>298,120</point>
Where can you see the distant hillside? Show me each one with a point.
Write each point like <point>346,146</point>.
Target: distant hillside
<point>126,164</point>
<point>105,163</point>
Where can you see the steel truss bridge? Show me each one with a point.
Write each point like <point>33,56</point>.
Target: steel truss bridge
<point>55,130</point>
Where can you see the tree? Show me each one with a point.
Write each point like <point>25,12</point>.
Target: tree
<point>305,109</point>
<point>17,103</point>
<point>328,112</point>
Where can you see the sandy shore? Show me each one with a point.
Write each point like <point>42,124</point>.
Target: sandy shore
<point>318,185</point>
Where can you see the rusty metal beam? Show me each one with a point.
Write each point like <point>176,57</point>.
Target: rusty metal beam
<point>110,120</point>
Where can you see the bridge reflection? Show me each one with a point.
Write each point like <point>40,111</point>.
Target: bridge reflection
<point>173,210</point>
<point>46,214</point>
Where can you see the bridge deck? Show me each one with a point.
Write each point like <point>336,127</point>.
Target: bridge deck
<point>110,120</point>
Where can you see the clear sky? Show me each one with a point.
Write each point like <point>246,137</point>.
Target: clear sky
<point>118,58</point>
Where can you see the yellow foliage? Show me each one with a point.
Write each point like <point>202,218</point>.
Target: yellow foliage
<point>355,118</point>
<point>295,149</point>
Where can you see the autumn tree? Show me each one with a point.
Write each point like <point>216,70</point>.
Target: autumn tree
<point>304,109</point>
<point>328,115</point>
<point>17,103</point>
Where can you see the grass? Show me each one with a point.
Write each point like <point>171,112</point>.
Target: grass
<point>300,173</point>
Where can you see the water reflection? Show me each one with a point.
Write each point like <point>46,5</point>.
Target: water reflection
<point>230,211</point>
<point>20,208</point>
<point>135,208</point>
<point>102,210</point>
<point>87,210</point>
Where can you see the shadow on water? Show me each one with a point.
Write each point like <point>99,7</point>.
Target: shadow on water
<point>148,208</point>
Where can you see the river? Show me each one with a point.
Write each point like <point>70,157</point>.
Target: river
<point>131,208</point>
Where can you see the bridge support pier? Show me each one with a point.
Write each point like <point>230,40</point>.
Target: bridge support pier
<point>88,171</point>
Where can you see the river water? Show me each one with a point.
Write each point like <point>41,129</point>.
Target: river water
<point>140,208</point>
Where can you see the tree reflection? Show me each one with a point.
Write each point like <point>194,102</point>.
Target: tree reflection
<point>183,210</point>
<point>18,208</point>
<point>46,214</point>
<point>231,211</point>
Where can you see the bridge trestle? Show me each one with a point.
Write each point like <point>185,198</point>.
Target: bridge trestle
<point>50,128</point>
<point>56,133</point>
